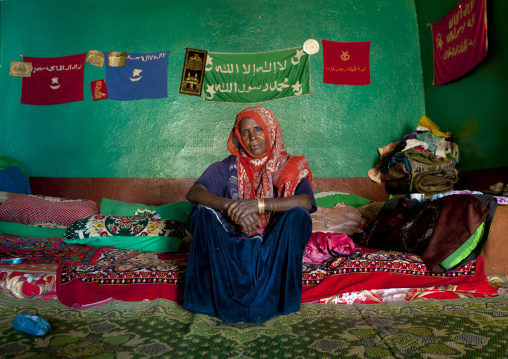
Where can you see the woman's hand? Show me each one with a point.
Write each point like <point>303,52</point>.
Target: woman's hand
<point>244,213</point>
<point>249,223</point>
<point>241,208</point>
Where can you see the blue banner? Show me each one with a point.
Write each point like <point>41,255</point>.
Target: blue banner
<point>144,76</point>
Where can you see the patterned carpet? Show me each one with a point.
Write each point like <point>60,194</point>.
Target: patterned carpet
<point>458,328</point>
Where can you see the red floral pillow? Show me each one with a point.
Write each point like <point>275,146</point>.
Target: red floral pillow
<point>36,210</point>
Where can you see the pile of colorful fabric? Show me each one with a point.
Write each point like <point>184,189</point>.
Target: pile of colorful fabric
<point>423,161</point>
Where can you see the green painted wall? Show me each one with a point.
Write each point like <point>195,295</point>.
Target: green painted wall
<point>475,107</point>
<point>338,128</point>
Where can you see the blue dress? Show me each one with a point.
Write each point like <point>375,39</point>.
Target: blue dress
<point>241,278</point>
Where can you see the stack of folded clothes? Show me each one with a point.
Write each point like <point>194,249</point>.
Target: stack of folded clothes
<point>423,161</point>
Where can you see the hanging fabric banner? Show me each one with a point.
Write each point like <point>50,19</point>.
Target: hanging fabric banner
<point>99,90</point>
<point>54,80</point>
<point>256,77</point>
<point>346,63</point>
<point>459,40</point>
<point>143,76</point>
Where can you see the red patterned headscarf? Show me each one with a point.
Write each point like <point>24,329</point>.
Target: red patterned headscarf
<point>257,175</point>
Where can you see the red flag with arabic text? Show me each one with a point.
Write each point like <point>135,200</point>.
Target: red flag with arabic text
<point>54,80</point>
<point>346,63</point>
<point>459,40</point>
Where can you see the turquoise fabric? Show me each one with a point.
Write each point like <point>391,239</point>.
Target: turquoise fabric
<point>330,199</point>
<point>19,229</point>
<point>145,243</point>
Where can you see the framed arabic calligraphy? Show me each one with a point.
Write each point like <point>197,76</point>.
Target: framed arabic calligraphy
<point>193,72</point>
<point>20,69</point>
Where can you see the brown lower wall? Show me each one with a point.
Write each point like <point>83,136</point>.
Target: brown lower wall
<point>149,191</point>
<point>495,252</point>
<point>481,180</point>
<point>158,191</point>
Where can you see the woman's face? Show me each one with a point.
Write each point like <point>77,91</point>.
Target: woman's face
<point>252,136</point>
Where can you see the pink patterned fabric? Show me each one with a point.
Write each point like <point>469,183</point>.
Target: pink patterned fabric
<point>323,246</point>
<point>33,210</point>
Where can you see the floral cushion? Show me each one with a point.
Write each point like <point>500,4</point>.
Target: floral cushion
<point>135,233</point>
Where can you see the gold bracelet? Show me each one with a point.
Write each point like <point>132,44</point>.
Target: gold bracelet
<point>261,205</point>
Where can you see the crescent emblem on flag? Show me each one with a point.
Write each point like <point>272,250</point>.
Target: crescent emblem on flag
<point>55,81</point>
<point>135,74</point>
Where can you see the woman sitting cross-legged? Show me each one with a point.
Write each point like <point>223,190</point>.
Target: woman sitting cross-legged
<point>250,226</point>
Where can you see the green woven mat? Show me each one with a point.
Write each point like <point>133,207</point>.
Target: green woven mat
<point>459,328</point>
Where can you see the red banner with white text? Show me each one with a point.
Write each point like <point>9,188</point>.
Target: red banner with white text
<point>346,63</point>
<point>54,80</point>
<point>459,40</point>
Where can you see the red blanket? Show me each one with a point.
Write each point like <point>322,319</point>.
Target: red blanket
<point>122,275</point>
<point>88,276</point>
<point>369,269</point>
<point>35,276</point>
<point>134,276</point>
<point>46,250</point>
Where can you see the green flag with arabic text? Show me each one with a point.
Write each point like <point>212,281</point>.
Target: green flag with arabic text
<point>256,77</point>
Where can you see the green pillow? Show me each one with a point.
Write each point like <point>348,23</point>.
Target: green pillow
<point>125,232</point>
<point>330,198</point>
<point>24,230</point>
<point>158,244</point>
<point>464,250</point>
<point>179,211</point>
